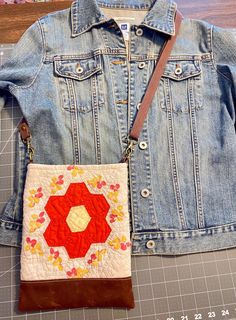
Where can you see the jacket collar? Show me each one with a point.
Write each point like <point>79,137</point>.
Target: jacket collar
<point>87,13</point>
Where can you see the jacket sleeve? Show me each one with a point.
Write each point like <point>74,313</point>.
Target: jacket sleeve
<point>23,64</point>
<point>224,55</point>
<point>17,73</point>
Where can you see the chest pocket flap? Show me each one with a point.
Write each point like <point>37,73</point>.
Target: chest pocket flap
<point>77,67</point>
<point>180,70</point>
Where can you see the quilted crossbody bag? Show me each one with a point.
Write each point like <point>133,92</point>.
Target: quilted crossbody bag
<point>76,246</point>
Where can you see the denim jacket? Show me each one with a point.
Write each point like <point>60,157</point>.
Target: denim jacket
<point>79,83</point>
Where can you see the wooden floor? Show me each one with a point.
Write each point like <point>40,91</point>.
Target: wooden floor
<point>15,19</point>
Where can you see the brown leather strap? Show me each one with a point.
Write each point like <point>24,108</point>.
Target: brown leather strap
<point>154,81</point>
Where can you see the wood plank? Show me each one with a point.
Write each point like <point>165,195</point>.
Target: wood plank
<point>16,18</point>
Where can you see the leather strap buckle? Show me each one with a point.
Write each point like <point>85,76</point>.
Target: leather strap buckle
<point>129,149</point>
<point>24,131</point>
<point>26,138</point>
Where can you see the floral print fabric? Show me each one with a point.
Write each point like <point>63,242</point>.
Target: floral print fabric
<point>76,222</point>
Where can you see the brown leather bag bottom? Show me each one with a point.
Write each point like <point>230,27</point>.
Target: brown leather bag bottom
<point>76,293</point>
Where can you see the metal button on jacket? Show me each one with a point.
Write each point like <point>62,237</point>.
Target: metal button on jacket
<point>143,145</point>
<point>139,32</point>
<point>79,69</point>
<point>138,105</point>
<point>141,65</point>
<point>145,193</point>
<point>150,244</point>
<point>178,70</point>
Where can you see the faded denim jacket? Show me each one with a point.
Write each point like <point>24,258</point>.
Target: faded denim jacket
<point>79,81</point>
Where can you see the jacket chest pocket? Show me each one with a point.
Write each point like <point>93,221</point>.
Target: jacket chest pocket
<point>79,82</point>
<point>181,87</point>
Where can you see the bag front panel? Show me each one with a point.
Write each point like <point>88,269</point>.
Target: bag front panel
<point>76,223</point>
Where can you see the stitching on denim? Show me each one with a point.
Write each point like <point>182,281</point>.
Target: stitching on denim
<point>74,121</point>
<point>101,84</point>
<point>149,173</point>
<point>91,54</point>
<point>111,69</point>
<point>173,159</point>
<point>59,87</point>
<point>170,15</point>
<point>147,168</point>
<point>131,193</point>
<point>121,6</point>
<point>73,14</point>
<point>174,168</point>
<point>122,53</point>
<point>214,63</point>
<point>131,113</point>
<point>170,21</point>
<point>148,140</point>
<point>134,202</point>
<point>21,173</point>
<point>76,128</point>
<point>148,165</point>
<point>196,156</point>
<point>163,253</point>
<point>184,79</point>
<point>112,72</point>
<point>74,75</point>
<point>96,120</point>
<point>37,73</point>
<point>174,232</point>
<point>101,19</point>
<point>40,20</point>
<point>72,97</point>
<point>132,161</point>
<point>10,222</point>
<point>87,27</point>
<point>209,33</point>
<point>156,28</point>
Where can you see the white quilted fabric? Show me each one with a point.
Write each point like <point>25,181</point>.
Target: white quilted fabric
<point>109,259</point>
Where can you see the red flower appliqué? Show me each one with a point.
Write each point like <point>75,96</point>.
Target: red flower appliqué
<point>59,233</point>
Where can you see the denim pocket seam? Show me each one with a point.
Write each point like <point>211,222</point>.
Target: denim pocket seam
<point>189,75</point>
<point>71,77</point>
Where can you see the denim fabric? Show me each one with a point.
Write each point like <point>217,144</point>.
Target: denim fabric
<point>79,85</point>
